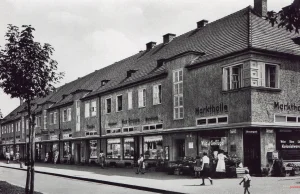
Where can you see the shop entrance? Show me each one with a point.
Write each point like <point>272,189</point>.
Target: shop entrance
<point>180,148</point>
<point>252,150</point>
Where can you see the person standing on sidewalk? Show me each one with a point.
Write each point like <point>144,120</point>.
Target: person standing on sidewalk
<point>197,167</point>
<point>102,159</point>
<point>141,165</point>
<point>205,169</point>
<point>246,180</point>
<point>7,156</point>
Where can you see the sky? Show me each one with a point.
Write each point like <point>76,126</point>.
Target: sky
<point>90,34</point>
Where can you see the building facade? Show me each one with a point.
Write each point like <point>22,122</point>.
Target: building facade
<point>229,85</point>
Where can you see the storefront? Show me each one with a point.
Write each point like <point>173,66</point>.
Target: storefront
<point>288,144</point>
<point>92,150</point>
<point>113,148</point>
<point>128,148</point>
<point>153,147</point>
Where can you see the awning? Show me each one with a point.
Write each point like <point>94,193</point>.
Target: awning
<point>116,140</point>
<point>129,140</point>
<point>153,138</point>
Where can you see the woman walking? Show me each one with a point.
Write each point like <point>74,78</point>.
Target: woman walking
<point>205,169</point>
<point>102,159</point>
<point>221,164</point>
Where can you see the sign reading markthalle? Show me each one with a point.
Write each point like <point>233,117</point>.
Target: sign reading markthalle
<point>211,109</point>
<point>287,106</point>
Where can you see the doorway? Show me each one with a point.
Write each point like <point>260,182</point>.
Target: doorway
<point>180,148</point>
<point>252,151</point>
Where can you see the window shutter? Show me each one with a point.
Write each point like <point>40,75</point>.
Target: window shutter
<point>140,97</point>
<point>155,94</point>
<point>277,78</point>
<point>262,73</point>
<point>225,74</point>
<point>69,114</point>
<point>129,100</point>
<point>87,110</point>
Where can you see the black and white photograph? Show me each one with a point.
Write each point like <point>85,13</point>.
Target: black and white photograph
<point>149,96</point>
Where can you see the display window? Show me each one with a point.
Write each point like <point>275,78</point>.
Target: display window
<point>213,145</point>
<point>288,144</point>
<point>93,149</point>
<point>67,149</point>
<point>114,148</point>
<point>129,148</point>
<point>55,147</point>
<point>153,147</point>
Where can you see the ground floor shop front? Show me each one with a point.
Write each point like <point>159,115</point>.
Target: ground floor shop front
<point>255,148</point>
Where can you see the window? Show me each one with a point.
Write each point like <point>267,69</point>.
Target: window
<point>27,124</point>
<point>87,110</point>
<point>129,129</point>
<point>119,105</point>
<point>142,97</point>
<point>232,77</point>
<point>39,121</point>
<point>178,94</point>
<point>271,76</point>
<point>152,127</point>
<point>69,112</point>
<point>94,108</point>
<point>157,94</point>
<point>129,100</point>
<point>212,120</point>
<point>287,119</point>
<point>129,148</point>
<point>45,119</point>
<point>51,118</point>
<point>65,115</point>
<point>108,105</point>
<point>251,73</point>
<point>54,117</point>
<point>114,148</point>
<point>153,147</point>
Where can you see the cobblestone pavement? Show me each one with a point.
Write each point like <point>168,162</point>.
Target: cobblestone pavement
<point>182,184</point>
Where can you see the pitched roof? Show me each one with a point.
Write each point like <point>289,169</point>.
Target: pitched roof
<point>236,32</point>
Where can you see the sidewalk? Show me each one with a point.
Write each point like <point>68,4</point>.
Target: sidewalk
<point>163,183</point>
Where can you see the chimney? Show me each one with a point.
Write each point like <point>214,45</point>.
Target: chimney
<point>202,23</point>
<point>150,45</point>
<point>168,37</point>
<point>261,7</point>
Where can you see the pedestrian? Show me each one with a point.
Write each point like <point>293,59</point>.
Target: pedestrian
<point>221,164</point>
<point>7,156</point>
<point>197,167</point>
<point>141,165</point>
<point>102,159</point>
<point>205,169</point>
<point>246,180</point>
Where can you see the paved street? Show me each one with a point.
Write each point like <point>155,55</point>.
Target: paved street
<point>48,184</point>
<point>151,180</point>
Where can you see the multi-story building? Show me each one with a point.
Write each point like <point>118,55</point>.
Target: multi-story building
<point>228,85</point>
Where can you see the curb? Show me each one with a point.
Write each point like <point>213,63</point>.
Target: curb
<point>150,189</point>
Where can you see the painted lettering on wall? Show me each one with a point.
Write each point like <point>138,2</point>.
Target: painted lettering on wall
<point>155,118</point>
<point>90,126</point>
<point>211,109</point>
<point>130,121</point>
<point>287,106</point>
<point>112,123</point>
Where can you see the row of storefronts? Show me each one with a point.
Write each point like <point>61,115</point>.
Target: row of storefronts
<point>254,146</point>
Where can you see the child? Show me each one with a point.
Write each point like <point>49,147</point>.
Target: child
<point>141,165</point>
<point>246,180</point>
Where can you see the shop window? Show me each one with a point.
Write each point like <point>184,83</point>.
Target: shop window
<point>129,148</point>
<point>67,149</point>
<point>153,147</point>
<point>114,148</point>
<point>93,149</point>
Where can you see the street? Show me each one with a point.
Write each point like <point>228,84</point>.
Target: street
<point>48,184</point>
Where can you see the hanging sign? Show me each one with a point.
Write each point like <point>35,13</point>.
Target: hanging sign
<point>232,131</point>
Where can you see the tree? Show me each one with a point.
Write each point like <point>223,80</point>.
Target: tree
<point>27,72</point>
<point>288,17</point>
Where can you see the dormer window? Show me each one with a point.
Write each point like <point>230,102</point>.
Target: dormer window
<point>160,63</point>
<point>130,72</point>
<point>104,82</point>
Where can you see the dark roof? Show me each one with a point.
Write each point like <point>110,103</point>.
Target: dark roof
<point>236,32</point>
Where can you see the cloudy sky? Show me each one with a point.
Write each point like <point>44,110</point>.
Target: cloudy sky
<point>91,34</point>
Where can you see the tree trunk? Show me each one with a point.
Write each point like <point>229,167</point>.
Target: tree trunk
<point>27,179</point>
<point>32,156</point>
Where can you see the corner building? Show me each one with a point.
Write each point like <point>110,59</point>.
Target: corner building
<point>229,85</point>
